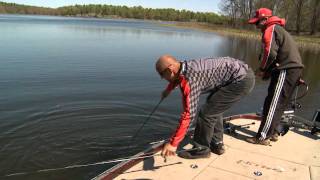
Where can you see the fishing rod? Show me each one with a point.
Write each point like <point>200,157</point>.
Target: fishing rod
<point>145,122</point>
<point>147,155</point>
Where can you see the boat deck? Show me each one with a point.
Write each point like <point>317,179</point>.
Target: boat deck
<point>294,156</point>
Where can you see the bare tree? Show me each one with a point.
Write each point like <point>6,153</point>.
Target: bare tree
<point>246,8</point>
<point>315,16</point>
<point>300,15</point>
<point>251,7</point>
<point>238,10</point>
<point>231,9</point>
<point>276,6</point>
<point>299,5</point>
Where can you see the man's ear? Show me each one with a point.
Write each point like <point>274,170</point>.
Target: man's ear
<point>171,68</point>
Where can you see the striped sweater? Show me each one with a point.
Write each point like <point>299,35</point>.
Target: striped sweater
<point>202,76</point>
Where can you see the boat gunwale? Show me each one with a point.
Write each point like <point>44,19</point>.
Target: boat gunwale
<point>123,166</point>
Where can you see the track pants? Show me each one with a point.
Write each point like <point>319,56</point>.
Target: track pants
<point>280,90</point>
<point>209,127</point>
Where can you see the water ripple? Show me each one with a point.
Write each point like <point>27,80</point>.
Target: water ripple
<point>67,133</point>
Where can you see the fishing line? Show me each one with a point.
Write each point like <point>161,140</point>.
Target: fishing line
<point>147,155</point>
<point>145,122</point>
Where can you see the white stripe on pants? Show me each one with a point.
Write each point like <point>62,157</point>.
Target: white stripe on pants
<point>273,104</point>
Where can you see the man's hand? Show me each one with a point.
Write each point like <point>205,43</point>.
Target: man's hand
<point>259,73</point>
<point>263,75</point>
<point>168,150</point>
<point>164,94</point>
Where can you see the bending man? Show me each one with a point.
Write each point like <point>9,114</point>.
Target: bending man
<point>224,79</point>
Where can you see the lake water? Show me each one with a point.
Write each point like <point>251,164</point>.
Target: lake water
<point>74,90</point>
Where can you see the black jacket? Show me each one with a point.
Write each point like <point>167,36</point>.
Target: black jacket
<point>279,49</point>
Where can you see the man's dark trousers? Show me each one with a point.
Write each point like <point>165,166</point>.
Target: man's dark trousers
<point>280,90</point>
<point>209,127</point>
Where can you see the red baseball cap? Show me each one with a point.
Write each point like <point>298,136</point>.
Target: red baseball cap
<point>260,13</point>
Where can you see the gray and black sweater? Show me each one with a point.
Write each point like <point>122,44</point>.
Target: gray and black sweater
<point>203,76</point>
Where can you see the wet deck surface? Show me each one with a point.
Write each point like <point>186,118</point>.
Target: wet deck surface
<point>294,156</point>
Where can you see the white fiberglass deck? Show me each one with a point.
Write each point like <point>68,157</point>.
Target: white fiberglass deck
<point>295,156</point>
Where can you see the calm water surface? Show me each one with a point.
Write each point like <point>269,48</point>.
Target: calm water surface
<point>73,90</point>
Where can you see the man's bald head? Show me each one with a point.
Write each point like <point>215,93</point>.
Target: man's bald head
<point>165,61</point>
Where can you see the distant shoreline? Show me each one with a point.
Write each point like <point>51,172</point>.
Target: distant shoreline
<point>304,41</point>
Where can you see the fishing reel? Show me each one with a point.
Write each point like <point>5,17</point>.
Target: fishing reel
<point>289,119</point>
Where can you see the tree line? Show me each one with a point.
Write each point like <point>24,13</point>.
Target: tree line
<point>12,8</point>
<point>137,12</point>
<point>300,15</point>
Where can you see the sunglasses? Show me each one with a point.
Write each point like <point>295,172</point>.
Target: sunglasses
<point>257,23</point>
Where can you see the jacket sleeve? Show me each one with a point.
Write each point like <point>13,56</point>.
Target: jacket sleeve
<point>171,86</point>
<point>184,122</point>
<point>270,48</point>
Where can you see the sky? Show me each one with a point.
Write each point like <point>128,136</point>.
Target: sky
<point>193,5</point>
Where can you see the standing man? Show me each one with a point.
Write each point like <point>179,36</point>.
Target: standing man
<point>280,60</point>
<point>225,79</point>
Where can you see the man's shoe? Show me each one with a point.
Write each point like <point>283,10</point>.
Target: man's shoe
<point>255,140</point>
<point>218,148</point>
<point>195,154</point>
<point>274,137</point>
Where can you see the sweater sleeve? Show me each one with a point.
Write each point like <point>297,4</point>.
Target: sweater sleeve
<point>270,48</point>
<point>184,122</point>
<point>171,86</point>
